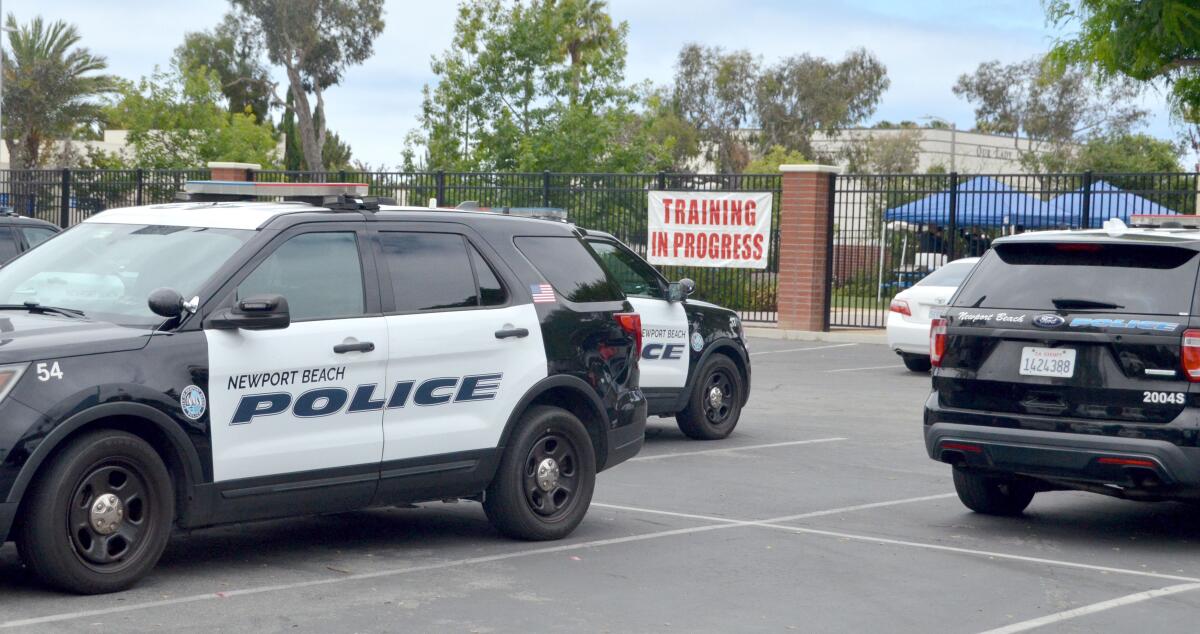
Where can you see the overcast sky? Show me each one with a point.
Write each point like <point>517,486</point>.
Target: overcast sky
<point>926,45</point>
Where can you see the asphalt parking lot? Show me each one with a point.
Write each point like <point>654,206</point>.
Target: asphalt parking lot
<point>820,513</point>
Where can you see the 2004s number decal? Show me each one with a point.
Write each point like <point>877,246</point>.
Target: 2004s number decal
<point>1171,398</point>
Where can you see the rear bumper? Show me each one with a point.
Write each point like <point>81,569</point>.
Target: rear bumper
<point>909,337</point>
<point>1113,464</point>
<point>628,432</point>
<point>8,513</point>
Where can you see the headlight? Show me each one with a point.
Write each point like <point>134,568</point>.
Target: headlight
<point>9,375</point>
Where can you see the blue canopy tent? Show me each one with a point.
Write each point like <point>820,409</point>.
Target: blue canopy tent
<point>980,202</point>
<point>1106,201</point>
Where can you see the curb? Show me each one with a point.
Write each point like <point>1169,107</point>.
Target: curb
<point>865,335</point>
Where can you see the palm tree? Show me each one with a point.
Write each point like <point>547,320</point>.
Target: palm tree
<point>51,87</point>
<point>585,36</point>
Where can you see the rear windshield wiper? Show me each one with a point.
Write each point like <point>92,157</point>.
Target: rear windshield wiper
<point>38,309</point>
<point>1068,303</point>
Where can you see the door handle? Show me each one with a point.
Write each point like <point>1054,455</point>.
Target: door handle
<point>360,346</point>
<point>505,333</point>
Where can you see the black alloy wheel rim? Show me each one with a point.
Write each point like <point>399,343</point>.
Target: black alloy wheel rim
<point>718,397</point>
<point>119,539</point>
<point>551,476</point>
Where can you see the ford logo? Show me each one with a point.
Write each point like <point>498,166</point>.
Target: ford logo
<point>1048,321</point>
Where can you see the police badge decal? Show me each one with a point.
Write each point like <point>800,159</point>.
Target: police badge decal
<point>193,402</point>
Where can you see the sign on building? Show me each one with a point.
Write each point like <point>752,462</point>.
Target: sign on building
<point>714,229</point>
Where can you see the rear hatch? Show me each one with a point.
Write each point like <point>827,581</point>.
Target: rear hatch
<point>1090,329</point>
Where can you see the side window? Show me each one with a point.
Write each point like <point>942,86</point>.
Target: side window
<point>320,274</point>
<point>634,275</point>
<point>430,271</point>
<point>36,235</point>
<point>570,268</point>
<point>8,244</point>
<point>491,292</point>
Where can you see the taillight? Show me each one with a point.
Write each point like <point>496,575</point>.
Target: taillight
<point>900,306</point>
<point>1190,354</point>
<point>631,323</point>
<point>937,342</point>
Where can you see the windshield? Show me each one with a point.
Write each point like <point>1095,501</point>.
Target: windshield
<point>951,274</point>
<point>108,270</point>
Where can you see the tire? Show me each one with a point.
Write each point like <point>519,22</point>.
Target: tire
<point>916,362</point>
<point>992,496</point>
<point>523,505</point>
<point>709,417</point>
<point>56,534</point>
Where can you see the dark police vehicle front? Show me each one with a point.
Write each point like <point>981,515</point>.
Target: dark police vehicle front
<point>221,360</point>
<point>1068,360</point>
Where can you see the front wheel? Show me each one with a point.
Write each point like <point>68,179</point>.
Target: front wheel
<point>715,403</point>
<point>99,518</point>
<point>991,496</point>
<point>546,477</point>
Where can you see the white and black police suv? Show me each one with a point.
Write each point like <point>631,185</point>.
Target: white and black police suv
<point>694,361</point>
<point>1070,360</point>
<point>220,360</point>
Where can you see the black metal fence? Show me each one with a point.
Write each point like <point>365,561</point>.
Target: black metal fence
<point>889,231</point>
<point>615,203</point>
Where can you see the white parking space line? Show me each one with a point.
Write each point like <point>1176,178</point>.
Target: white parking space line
<point>724,523</point>
<point>874,367</point>
<point>840,345</point>
<point>971,551</point>
<point>1058,617</point>
<point>770,523</point>
<point>729,449</point>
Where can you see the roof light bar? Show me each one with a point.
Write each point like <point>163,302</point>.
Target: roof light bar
<point>199,190</point>
<point>541,213</point>
<point>1165,221</point>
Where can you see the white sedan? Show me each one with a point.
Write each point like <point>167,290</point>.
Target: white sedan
<point>908,316</point>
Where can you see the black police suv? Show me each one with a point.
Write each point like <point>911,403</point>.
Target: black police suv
<point>694,364</point>
<point>19,234</point>
<point>1068,360</point>
<point>199,363</point>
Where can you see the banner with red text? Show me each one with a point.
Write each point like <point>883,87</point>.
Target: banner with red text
<point>714,229</point>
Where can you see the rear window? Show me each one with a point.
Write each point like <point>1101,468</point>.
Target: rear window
<point>1130,278</point>
<point>570,268</point>
<point>951,274</point>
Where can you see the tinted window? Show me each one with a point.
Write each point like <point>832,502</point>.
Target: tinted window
<point>632,273</point>
<point>37,235</point>
<point>320,274</point>
<point>951,274</point>
<point>570,268</point>
<point>1136,278</point>
<point>8,246</point>
<point>430,271</point>
<point>491,292</point>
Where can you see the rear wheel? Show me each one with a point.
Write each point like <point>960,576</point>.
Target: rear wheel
<point>546,477</point>
<point>990,495</point>
<point>715,403</point>
<point>916,362</point>
<point>99,518</point>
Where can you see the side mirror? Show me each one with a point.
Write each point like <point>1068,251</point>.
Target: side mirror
<point>166,302</point>
<point>681,290</point>
<point>257,312</point>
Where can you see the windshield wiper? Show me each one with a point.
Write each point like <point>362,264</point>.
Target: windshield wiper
<point>38,309</point>
<point>1068,303</point>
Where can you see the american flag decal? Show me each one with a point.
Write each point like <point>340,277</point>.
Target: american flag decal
<point>542,293</point>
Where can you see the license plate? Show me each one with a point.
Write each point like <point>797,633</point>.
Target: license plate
<point>1052,362</point>
<point>937,312</point>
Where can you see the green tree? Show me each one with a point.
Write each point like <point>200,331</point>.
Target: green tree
<point>315,41</point>
<point>769,163</point>
<point>1055,108</point>
<point>52,87</point>
<point>530,86</point>
<point>1148,41</point>
<point>891,153</point>
<point>1126,154</point>
<point>714,92</point>
<point>234,51</point>
<point>178,120</point>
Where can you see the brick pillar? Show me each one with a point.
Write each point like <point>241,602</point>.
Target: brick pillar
<point>804,233</point>
<point>233,171</point>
